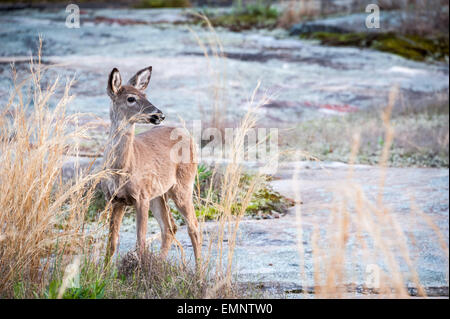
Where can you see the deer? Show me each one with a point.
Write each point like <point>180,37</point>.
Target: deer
<point>143,174</point>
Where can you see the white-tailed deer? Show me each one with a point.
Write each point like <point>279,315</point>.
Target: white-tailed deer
<point>146,176</point>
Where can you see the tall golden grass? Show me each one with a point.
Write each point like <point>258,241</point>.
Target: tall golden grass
<point>41,217</point>
<point>213,51</point>
<point>229,183</point>
<point>363,229</point>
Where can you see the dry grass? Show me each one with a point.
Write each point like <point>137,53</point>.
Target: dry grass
<point>41,218</point>
<point>362,230</point>
<point>230,190</point>
<point>297,11</point>
<point>230,176</point>
<point>153,278</point>
<point>214,54</point>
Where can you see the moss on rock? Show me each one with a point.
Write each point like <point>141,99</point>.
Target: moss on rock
<point>408,46</point>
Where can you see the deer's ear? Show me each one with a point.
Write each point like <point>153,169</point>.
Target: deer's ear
<point>141,79</point>
<point>114,82</point>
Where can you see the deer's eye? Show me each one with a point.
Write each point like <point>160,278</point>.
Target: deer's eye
<point>131,99</point>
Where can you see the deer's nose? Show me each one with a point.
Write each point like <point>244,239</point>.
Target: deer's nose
<point>157,118</point>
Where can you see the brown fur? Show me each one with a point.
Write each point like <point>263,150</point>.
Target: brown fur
<point>147,177</point>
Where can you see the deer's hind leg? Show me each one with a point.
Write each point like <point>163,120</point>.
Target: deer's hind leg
<point>182,196</point>
<point>160,210</point>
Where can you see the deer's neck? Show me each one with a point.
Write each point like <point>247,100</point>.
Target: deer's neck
<point>119,152</point>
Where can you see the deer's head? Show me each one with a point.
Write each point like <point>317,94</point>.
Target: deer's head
<point>129,102</point>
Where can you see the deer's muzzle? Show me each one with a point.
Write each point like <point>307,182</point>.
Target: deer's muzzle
<point>157,118</point>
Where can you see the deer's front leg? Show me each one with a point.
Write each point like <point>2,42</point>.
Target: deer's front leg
<point>142,207</point>
<point>117,212</point>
